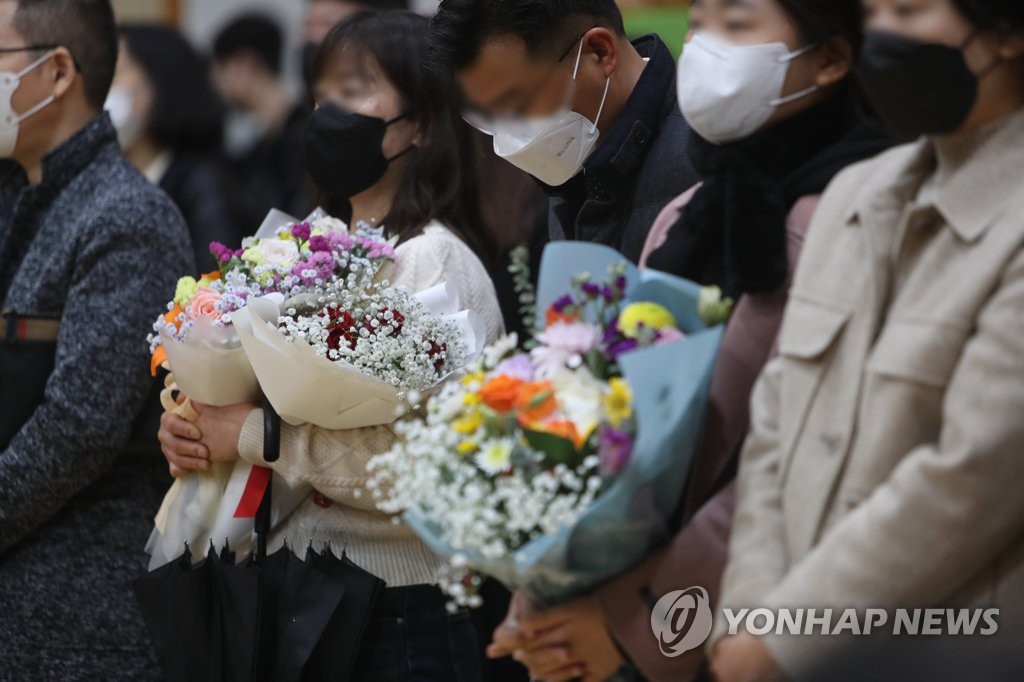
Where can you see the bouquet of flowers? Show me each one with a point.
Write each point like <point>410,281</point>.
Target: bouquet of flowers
<point>198,341</point>
<point>354,356</point>
<point>556,469</point>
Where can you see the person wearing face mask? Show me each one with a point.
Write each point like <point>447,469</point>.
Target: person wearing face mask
<point>568,99</point>
<point>88,252</point>
<point>768,86</point>
<point>884,457</point>
<point>386,149</point>
<point>170,123</point>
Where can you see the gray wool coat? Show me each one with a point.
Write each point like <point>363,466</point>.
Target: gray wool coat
<point>98,248</point>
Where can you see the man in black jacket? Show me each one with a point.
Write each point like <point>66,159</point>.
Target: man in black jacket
<point>570,100</point>
<point>89,253</point>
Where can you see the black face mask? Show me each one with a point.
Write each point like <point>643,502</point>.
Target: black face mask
<point>917,88</point>
<point>308,58</point>
<point>343,150</point>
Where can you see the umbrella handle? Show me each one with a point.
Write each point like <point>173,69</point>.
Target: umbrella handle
<point>271,452</point>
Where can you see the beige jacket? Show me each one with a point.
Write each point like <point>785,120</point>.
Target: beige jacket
<point>886,456</point>
<point>340,511</point>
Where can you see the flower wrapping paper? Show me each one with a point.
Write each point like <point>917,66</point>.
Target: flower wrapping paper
<point>633,516</point>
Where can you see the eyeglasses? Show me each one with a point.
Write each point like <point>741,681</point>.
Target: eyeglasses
<point>485,122</point>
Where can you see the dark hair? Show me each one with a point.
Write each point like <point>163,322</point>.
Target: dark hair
<point>460,28</point>
<point>439,181</point>
<point>85,27</point>
<point>993,14</point>
<point>186,111</point>
<point>820,21</point>
<point>254,34</point>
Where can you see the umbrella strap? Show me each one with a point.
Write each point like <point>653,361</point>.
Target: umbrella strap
<point>271,452</point>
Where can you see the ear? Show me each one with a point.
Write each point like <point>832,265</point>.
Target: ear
<point>834,60</point>
<point>64,71</point>
<point>1012,46</point>
<point>604,46</point>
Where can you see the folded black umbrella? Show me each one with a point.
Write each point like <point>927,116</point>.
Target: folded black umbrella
<point>274,618</point>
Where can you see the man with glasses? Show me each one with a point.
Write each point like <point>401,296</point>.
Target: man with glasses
<point>570,100</point>
<point>89,252</point>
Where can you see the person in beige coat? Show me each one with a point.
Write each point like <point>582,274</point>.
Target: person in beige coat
<point>886,452</point>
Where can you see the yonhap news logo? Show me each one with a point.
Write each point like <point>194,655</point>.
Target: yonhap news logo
<point>682,620</point>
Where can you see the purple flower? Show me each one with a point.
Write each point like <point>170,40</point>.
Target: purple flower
<point>591,290</point>
<point>518,367</point>
<point>614,450</point>
<point>301,231</point>
<point>620,284</point>
<point>222,253</point>
<point>319,243</point>
<point>621,348</point>
<point>562,303</point>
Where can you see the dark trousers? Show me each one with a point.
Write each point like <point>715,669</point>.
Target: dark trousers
<point>411,637</point>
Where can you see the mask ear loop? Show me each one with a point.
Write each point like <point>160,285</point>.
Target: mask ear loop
<point>779,101</point>
<point>607,85</point>
<point>15,119</point>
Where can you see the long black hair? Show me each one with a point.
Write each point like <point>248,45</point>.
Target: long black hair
<point>187,114</point>
<point>439,179</point>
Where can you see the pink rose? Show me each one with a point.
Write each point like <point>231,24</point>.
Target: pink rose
<point>204,304</point>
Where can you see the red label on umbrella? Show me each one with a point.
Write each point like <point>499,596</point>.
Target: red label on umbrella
<point>259,478</point>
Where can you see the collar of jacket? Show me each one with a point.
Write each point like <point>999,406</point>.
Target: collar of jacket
<point>67,161</point>
<point>972,198</point>
<point>621,153</point>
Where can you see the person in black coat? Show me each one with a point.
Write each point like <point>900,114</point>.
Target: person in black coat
<point>170,124</point>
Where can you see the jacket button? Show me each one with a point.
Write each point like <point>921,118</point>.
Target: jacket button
<point>321,500</point>
<point>640,136</point>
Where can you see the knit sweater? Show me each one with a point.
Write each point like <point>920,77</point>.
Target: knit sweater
<point>96,247</point>
<point>341,512</point>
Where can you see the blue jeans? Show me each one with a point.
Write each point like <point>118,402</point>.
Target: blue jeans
<point>412,638</point>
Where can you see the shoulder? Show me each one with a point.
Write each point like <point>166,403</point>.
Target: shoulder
<point>115,197</point>
<point>867,177</point>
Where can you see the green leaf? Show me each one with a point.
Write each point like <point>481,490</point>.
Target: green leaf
<point>556,450</point>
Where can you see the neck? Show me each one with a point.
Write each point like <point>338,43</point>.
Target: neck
<point>373,205</point>
<point>143,153</point>
<point>61,132</point>
<point>624,80</point>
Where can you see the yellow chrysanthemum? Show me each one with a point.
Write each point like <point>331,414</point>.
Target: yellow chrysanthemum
<point>467,447</point>
<point>468,424</point>
<point>618,402</point>
<point>471,399</point>
<point>644,315</point>
<point>185,290</point>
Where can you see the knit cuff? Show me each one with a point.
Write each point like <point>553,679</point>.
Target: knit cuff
<point>250,440</point>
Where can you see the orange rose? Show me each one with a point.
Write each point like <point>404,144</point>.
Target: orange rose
<point>204,304</point>
<point>563,428</point>
<point>500,393</point>
<point>536,401</point>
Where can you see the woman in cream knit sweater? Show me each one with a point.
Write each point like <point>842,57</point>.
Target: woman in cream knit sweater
<point>385,142</point>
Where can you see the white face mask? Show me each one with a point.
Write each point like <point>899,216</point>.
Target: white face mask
<point>120,105</point>
<point>552,149</point>
<point>9,120</point>
<point>728,92</point>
